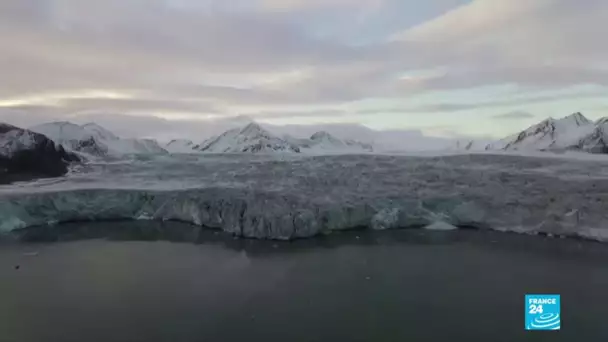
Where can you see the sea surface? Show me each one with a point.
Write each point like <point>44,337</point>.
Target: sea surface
<point>145,281</point>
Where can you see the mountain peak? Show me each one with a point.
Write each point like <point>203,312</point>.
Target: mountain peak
<point>94,140</point>
<point>60,124</point>
<point>550,134</point>
<point>577,119</point>
<point>252,128</point>
<point>240,119</point>
<point>60,131</point>
<point>249,139</point>
<point>92,125</point>
<point>100,131</point>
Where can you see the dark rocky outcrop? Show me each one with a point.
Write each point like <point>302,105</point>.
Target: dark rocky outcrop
<point>25,155</point>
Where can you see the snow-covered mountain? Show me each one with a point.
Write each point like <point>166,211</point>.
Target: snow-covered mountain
<point>249,139</point>
<point>99,132</point>
<point>324,142</point>
<point>253,138</point>
<point>300,142</point>
<point>73,137</point>
<point>597,141</point>
<point>25,154</point>
<point>573,132</point>
<point>95,140</point>
<point>180,146</point>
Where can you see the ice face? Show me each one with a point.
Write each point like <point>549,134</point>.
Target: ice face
<point>290,196</point>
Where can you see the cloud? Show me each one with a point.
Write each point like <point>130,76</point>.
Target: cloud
<point>514,115</point>
<point>283,5</point>
<point>473,19</point>
<point>520,99</point>
<point>187,58</point>
<point>544,43</point>
<point>120,43</point>
<point>547,77</point>
<point>139,105</point>
<point>126,126</point>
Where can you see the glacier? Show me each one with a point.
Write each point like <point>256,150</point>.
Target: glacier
<point>290,196</point>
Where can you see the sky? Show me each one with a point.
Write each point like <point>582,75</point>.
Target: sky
<point>446,68</point>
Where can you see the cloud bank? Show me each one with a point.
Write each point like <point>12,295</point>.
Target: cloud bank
<point>200,60</point>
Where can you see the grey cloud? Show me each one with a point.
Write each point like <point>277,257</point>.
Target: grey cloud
<point>126,126</point>
<point>455,107</point>
<point>514,115</point>
<point>26,116</point>
<point>69,45</point>
<point>139,105</point>
<point>148,126</point>
<point>232,41</point>
<point>119,44</point>
<point>546,43</point>
<point>549,77</point>
<point>298,114</point>
<point>169,57</point>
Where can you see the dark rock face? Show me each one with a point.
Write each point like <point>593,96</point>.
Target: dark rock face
<point>25,155</point>
<point>546,127</point>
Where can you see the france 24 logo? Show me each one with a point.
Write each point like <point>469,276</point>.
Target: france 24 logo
<point>543,312</point>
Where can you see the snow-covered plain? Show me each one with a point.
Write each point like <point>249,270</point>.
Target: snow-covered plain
<point>289,196</point>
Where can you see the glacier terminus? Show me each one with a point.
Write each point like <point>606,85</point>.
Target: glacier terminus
<point>288,196</point>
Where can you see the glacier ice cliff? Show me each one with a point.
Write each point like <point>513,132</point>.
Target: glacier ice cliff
<point>297,196</point>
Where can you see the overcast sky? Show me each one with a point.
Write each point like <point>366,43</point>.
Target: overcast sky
<point>445,67</point>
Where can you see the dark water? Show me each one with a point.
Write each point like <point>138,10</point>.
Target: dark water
<point>387,286</point>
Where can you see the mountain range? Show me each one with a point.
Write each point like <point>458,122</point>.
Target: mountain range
<point>47,150</point>
<point>574,132</point>
<point>253,138</point>
<point>93,140</point>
